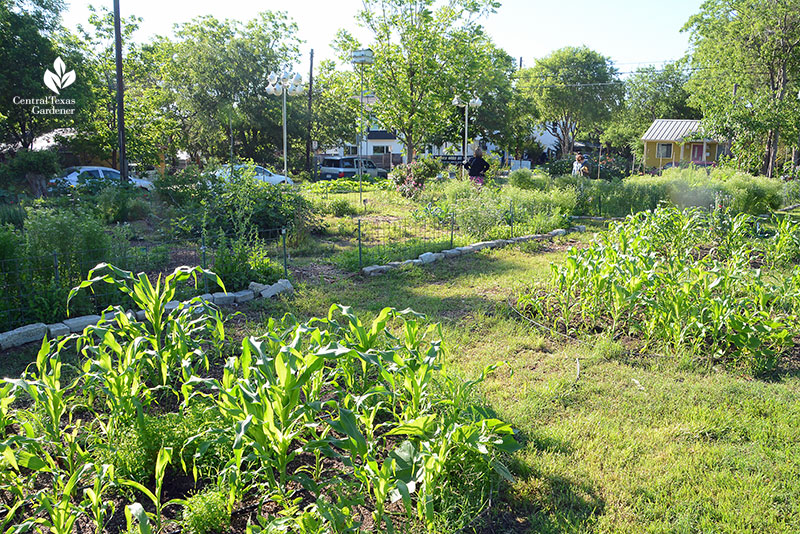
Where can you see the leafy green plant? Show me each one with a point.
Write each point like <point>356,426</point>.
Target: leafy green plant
<point>206,512</point>
<point>169,336</point>
<point>162,461</point>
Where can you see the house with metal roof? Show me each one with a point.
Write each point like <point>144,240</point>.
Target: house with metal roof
<point>671,142</point>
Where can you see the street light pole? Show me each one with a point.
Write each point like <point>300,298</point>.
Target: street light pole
<point>474,102</point>
<point>123,158</point>
<point>361,57</point>
<point>287,84</point>
<point>285,161</point>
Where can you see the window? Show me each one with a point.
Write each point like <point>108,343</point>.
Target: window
<point>351,150</point>
<point>664,150</point>
<point>94,173</point>
<point>381,149</point>
<point>114,175</point>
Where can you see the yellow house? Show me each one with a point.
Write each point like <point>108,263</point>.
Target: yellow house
<point>676,141</point>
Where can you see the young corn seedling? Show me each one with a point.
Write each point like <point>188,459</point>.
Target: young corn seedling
<point>162,461</point>
<point>46,390</point>
<point>99,508</point>
<point>113,371</point>
<point>169,336</point>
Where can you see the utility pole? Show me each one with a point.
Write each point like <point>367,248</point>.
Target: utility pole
<point>123,159</point>
<point>310,116</point>
<point>520,63</point>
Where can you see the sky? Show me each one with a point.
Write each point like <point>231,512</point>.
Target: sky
<point>631,33</point>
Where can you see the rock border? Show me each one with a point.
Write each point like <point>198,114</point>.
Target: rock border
<point>38,331</point>
<point>430,257</point>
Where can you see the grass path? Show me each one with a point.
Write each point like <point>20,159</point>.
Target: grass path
<point>635,445</point>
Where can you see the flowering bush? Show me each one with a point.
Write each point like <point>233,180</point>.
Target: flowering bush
<point>410,178</point>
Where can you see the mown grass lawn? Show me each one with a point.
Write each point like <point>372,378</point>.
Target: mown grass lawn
<point>635,444</point>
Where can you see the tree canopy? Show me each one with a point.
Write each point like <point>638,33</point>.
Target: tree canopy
<point>575,89</point>
<point>750,48</point>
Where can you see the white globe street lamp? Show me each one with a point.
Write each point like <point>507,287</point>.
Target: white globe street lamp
<point>283,84</point>
<point>475,102</point>
<point>361,57</point>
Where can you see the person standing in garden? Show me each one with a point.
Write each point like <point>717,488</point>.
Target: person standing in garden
<point>578,166</point>
<point>478,167</point>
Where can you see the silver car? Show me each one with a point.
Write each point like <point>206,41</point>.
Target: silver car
<point>346,167</point>
<point>259,173</point>
<point>71,174</point>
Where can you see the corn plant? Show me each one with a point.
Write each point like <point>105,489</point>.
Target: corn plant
<point>683,279</point>
<point>46,390</point>
<point>113,371</point>
<point>7,398</point>
<point>162,461</point>
<point>169,337</point>
<point>99,508</point>
<point>55,511</point>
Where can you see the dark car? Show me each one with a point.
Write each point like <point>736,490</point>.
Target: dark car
<point>334,167</point>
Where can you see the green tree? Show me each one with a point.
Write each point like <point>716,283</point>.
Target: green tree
<point>27,49</point>
<point>650,94</point>
<point>575,90</point>
<point>218,78</point>
<point>750,48</point>
<point>424,53</point>
<point>335,106</point>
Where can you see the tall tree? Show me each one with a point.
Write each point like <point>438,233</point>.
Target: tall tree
<point>424,54</point>
<point>335,106</point>
<point>575,89</point>
<point>218,76</point>
<point>752,48</point>
<point>650,94</point>
<point>27,50</point>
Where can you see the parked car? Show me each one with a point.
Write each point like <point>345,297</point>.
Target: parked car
<point>261,173</point>
<point>347,166</point>
<point>72,175</point>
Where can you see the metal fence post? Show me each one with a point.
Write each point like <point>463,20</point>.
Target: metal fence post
<point>203,253</point>
<point>55,265</point>
<point>359,244</point>
<point>285,258</point>
<point>511,209</point>
<point>452,227</point>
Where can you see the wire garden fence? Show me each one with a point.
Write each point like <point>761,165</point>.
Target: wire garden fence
<point>35,288</point>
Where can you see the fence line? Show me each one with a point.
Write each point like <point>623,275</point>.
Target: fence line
<point>35,288</point>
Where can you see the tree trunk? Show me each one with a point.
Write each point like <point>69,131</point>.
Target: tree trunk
<point>409,148</point>
<point>773,155</point>
<point>766,163</point>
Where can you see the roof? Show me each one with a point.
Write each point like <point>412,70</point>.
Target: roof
<point>673,130</point>
<point>376,135</point>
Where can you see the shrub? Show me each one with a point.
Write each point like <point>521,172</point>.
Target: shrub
<point>559,167</point>
<point>201,199</point>
<point>120,203</point>
<point>527,179</point>
<point>13,214</point>
<point>29,169</point>
<point>79,239</point>
<point>243,260</point>
<point>409,179</point>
